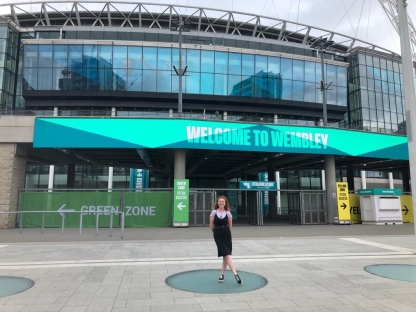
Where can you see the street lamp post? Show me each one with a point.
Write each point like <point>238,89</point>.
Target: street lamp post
<point>180,25</point>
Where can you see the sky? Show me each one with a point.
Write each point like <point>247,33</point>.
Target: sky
<point>365,19</point>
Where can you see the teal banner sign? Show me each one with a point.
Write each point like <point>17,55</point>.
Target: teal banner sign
<point>181,203</point>
<point>61,132</point>
<point>258,185</point>
<point>380,191</point>
<point>139,179</point>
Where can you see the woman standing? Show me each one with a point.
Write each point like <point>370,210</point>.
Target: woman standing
<point>221,222</point>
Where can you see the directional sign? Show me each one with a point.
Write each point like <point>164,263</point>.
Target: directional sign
<point>407,208</point>
<point>257,185</point>
<point>181,203</point>
<point>61,210</point>
<point>343,200</point>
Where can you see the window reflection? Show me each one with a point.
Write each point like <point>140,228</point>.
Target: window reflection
<point>150,69</point>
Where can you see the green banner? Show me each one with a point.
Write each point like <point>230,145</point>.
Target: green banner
<point>58,204</point>
<point>61,132</point>
<point>148,209</point>
<point>379,191</point>
<point>181,202</point>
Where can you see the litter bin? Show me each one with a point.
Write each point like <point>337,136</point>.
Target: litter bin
<point>380,206</point>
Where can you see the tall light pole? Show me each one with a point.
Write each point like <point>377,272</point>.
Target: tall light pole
<point>181,26</point>
<point>409,92</point>
<point>330,178</point>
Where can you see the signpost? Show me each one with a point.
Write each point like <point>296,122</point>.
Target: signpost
<point>344,216</point>
<point>181,203</point>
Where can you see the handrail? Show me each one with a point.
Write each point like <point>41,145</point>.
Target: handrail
<point>80,223</point>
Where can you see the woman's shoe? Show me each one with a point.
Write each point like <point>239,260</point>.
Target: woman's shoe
<point>238,279</point>
<point>221,278</point>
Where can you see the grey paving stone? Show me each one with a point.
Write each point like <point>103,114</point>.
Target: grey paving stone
<point>225,306</point>
<point>277,303</point>
<point>177,308</point>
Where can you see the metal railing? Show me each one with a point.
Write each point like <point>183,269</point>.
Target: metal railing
<point>111,213</point>
<point>188,115</point>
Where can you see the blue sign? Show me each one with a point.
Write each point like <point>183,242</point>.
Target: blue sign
<point>258,185</point>
<point>139,179</point>
<point>264,176</point>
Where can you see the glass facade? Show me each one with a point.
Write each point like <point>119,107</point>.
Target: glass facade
<point>8,66</point>
<point>149,69</point>
<point>376,93</point>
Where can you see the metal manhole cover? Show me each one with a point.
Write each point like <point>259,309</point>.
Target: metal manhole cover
<point>10,285</point>
<point>206,282</point>
<point>401,272</point>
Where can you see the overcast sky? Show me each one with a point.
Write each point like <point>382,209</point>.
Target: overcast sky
<point>365,20</point>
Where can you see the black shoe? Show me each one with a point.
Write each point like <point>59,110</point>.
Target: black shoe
<point>238,279</point>
<point>221,278</point>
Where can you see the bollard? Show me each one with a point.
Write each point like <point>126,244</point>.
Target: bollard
<point>122,225</point>
<point>43,221</point>
<point>96,224</point>
<point>80,224</point>
<point>63,223</point>
<point>111,224</point>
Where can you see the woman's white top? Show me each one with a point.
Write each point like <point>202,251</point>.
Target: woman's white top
<point>222,214</point>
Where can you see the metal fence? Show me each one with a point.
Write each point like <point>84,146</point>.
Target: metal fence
<point>307,207</point>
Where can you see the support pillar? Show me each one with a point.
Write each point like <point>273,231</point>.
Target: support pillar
<point>179,170</point>
<point>275,119</point>
<point>113,112</point>
<point>406,181</point>
<point>330,181</point>
<point>391,183</point>
<point>51,177</point>
<point>12,173</point>
<point>224,116</point>
<point>363,180</point>
<point>350,178</point>
<point>110,178</point>
<point>70,182</point>
<point>271,176</point>
<point>278,199</point>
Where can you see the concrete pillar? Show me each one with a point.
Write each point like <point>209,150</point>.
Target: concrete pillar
<point>113,112</point>
<point>391,184</point>
<point>323,180</point>
<point>51,177</point>
<point>363,180</point>
<point>224,116</point>
<point>330,181</point>
<point>70,182</point>
<point>170,113</point>
<point>406,182</point>
<point>321,122</point>
<point>350,178</point>
<point>179,170</point>
<point>275,119</point>
<point>55,111</point>
<point>12,173</point>
<point>110,178</point>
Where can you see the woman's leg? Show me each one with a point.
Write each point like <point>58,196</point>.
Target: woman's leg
<point>224,265</point>
<point>230,263</point>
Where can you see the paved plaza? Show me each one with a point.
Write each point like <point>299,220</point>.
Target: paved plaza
<point>308,268</point>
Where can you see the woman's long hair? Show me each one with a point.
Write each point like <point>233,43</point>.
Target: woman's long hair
<point>226,207</point>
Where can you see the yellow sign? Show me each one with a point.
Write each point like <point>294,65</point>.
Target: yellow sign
<point>407,208</point>
<point>343,202</point>
<point>355,209</point>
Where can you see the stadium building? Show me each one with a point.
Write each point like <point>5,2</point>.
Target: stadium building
<point>84,62</point>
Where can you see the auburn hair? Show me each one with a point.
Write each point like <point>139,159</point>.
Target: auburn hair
<point>226,207</point>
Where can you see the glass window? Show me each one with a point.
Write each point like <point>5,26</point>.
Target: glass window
<point>331,74</point>
<point>310,90</point>
<point>341,96</point>
<point>45,55</point>
<point>136,59</point>
<point>261,65</point>
<point>248,65</point>
<point>287,70</point>
<point>396,77</point>
<point>90,81</point>
<point>207,82</point>
<point>164,59</point>
<point>364,98</point>
<point>75,56</point>
<point>120,59</point>
<point>286,89</point>
<point>220,84</point>
<point>377,85</point>
<point>383,64</point>
<point>392,103</point>
<point>396,67</point>
<point>90,56</point>
<point>261,87</point>
<point>370,72</point>
<point>234,85</point>
<point>318,95</point>
<point>221,62</point>
<point>193,83</point>
<point>341,76</point>
<point>149,57</point>
<point>377,73</point>
<point>389,65</point>
<point>273,66</point>
<point>105,78</point>
<point>30,76</point>
<point>397,89</point>
<point>361,59</point>
<point>149,78</point>
<point>31,56</point>
<point>298,94</point>
<point>332,95</point>
<point>105,56</point>
<point>387,117</point>
<point>275,87</point>
<point>310,72</point>
<point>207,66</point>
<point>379,100</point>
<point>45,79</point>
<point>372,99</point>
<point>60,55</point>
<point>370,84</point>
<point>193,60</point>
<point>234,64</point>
<point>391,87</point>
<point>247,86</point>
<point>369,60</point>
<point>164,80</point>
<point>298,70</point>
<point>383,75</point>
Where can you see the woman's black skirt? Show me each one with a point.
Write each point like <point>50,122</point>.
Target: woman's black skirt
<point>222,238</point>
